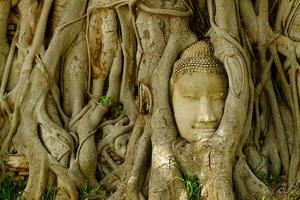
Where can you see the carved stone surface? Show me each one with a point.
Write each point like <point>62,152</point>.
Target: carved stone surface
<point>198,90</point>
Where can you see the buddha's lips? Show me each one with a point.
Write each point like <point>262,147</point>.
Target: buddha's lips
<point>204,130</point>
<point>205,127</point>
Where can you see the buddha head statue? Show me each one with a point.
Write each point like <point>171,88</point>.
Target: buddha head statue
<point>198,88</point>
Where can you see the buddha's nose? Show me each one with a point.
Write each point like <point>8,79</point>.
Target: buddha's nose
<point>206,114</point>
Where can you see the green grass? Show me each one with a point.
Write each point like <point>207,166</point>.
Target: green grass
<point>88,193</point>
<point>271,180</point>
<point>265,198</point>
<point>50,193</point>
<point>117,111</point>
<point>192,185</point>
<point>10,189</point>
<point>292,196</point>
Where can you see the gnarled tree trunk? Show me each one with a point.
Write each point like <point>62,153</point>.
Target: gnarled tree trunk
<point>85,97</point>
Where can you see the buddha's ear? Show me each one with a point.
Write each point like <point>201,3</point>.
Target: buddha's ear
<point>236,85</point>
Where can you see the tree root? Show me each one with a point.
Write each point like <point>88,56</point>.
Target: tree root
<point>38,174</point>
<point>135,135</point>
<point>132,44</point>
<point>7,68</point>
<point>173,13</point>
<point>106,45</point>
<point>119,177</point>
<point>66,147</point>
<point>79,115</point>
<point>12,130</point>
<point>66,182</point>
<point>107,157</point>
<point>271,151</point>
<point>162,124</point>
<point>129,51</point>
<point>55,131</point>
<point>111,132</point>
<point>4,46</point>
<point>279,128</point>
<point>4,107</point>
<point>139,169</point>
<point>75,73</point>
<point>257,162</point>
<point>53,88</point>
<point>111,181</point>
<point>248,186</point>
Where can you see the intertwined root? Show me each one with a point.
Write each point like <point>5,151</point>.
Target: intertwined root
<point>123,52</point>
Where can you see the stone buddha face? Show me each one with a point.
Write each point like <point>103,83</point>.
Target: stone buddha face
<point>199,90</point>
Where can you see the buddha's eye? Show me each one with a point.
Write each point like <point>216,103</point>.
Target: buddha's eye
<point>219,96</point>
<point>192,98</point>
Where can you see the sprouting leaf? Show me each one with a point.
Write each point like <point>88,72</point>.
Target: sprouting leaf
<point>105,100</point>
<point>117,111</point>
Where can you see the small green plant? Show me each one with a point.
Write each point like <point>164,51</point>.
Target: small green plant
<point>265,198</point>
<point>271,180</point>
<point>117,111</point>
<point>192,184</point>
<point>88,193</point>
<point>293,196</point>
<point>20,198</point>
<point>105,100</point>
<point>10,189</point>
<point>50,193</point>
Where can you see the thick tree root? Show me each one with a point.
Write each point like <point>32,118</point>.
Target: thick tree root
<point>140,167</point>
<point>246,182</point>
